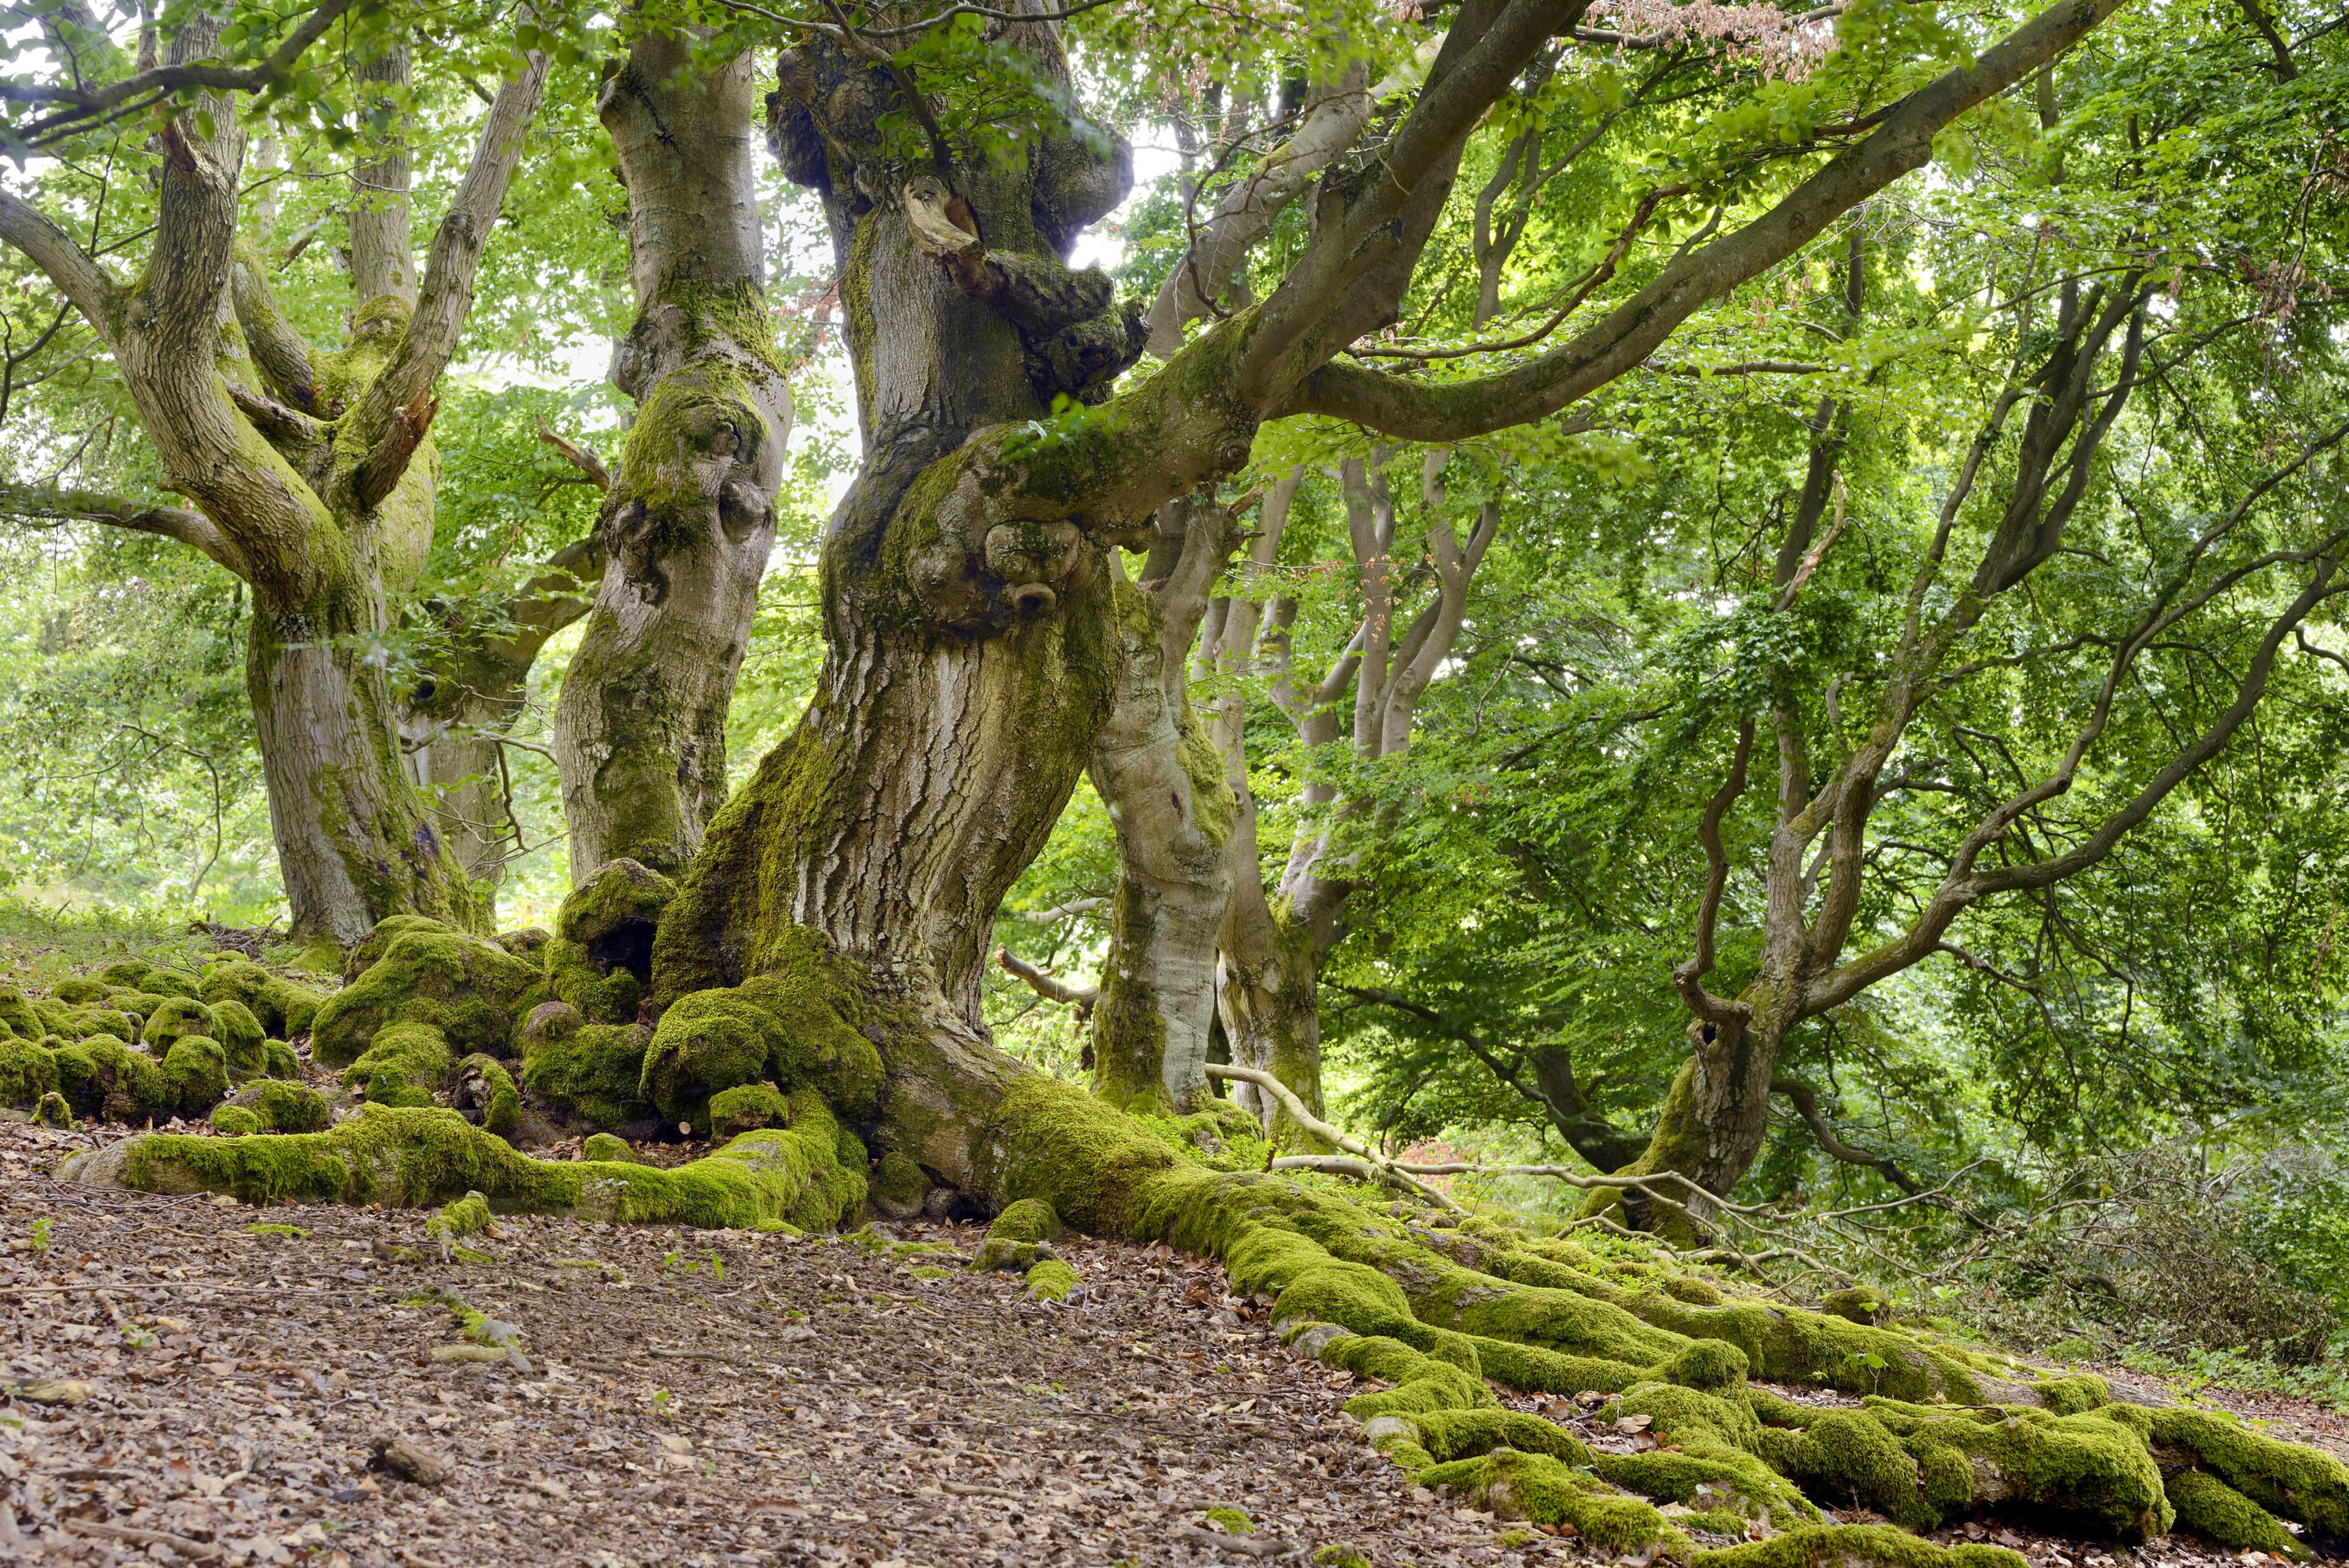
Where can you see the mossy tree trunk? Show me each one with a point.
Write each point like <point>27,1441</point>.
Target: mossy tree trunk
<point>689,518</point>
<point>1164,783</point>
<point>311,474</point>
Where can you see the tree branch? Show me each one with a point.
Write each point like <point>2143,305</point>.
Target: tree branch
<point>191,528</point>
<point>1901,144</point>
<point>1835,1148</point>
<point>399,397</point>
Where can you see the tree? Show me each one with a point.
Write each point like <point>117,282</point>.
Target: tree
<point>312,475</point>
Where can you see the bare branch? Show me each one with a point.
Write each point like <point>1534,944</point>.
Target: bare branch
<point>1050,987</point>
<point>191,528</point>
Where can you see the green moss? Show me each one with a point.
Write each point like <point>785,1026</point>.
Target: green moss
<point>102,1076</point>
<point>1846,1456</point>
<point>1855,1546</point>
<point>593,1073</point>
<point>129,973</point>
<point>282,1008</point>
<point>290,1232</point>
<point>1090,1162</point>
<point>709,1042</point>
<point>2224,1516</point>
<point>1463,1434</point>
<point>2073,1396</point>
<point>402,1065</point>
<point>484,1093</point>
<point>603,996</point>
<point>605,1146</point>
<point>462,986</point>
<point>416,1157</point>
<point>899,1184</point>
<point>1235,1521</point>
<point>279,1060</point>
<point>18,1016</point>
<point>1858,1304</point>
<point>80,990</point>
<point>51,1110</point>
<point>1030,1219</point>
<point>27,1071</point>
<point>240,1038</point>
<point>287,1107</point>
<point>2287,1479</point>
<point>235,1120</point>
<point>195,1074</point>
<point>1536,1486</point>
<point>176,1021</point>
<point>466,1215</point>
<point>172,982</point>
<point>2089,1464</point>
<point>1050,1279</point>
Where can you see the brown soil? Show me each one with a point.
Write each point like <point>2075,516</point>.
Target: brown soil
<point>692,1397</point>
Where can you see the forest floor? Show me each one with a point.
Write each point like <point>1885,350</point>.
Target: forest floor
<point>215,1387</point>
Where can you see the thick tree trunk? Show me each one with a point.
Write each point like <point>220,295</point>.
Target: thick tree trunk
<point>641,727</point>
<point>353,842</point>
<point>1163,781</point>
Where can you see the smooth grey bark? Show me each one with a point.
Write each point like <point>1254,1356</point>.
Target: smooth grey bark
<point>639,734</point>
<point>1161,779</point>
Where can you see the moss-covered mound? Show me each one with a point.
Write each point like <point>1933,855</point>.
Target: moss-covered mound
<point>284,1009</point>
<point>428,974</point>
<point>592,1073</point>
<point>600,957</point>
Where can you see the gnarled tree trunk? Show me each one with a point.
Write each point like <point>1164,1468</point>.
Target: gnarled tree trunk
<point>641,727</point>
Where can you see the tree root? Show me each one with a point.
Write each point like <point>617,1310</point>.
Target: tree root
<point>1430,1306</point>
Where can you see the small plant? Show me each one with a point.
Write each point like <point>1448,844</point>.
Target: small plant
<point>664,1404</point>
<point>40,1235</point>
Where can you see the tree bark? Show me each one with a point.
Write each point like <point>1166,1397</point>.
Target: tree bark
<point>1164,783</point>
<point>641,727</point>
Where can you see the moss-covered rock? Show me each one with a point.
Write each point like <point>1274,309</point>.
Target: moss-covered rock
<point>51,1110</point>
<point>130,973</point>
<point>195,1074</point>
<point>601,997</point>
<point>18,1016</point>
<point>283,1107</point>
<point>402,1065</point>
<point>176,1019</point>
<point>529,944</point>
<point>899,1185</point>
<point>27,1071</point>
<point>462,985</point>
<point>482,1091</point>
<point>282,1008</point>
<point>593,1073</point>
<point>1859,1304</point>
<point>235,1120</point>
<point>613,915</point>
<point>279,1060</point>
<point>172,982</point>
<point>140,1004</point>
<point>80,990</point>
<point>240,1034</point>
<point>1050,1279</point>
<point>548,1024</point>
<point>747,1107</point>
<point>102,1077</point>
<point>606,1146</point>
<point>707,1043</point>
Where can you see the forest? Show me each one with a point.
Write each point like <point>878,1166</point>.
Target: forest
<point>1635,703</point>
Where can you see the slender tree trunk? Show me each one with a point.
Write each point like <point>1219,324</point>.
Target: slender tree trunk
<point>641,727</point>
<point>1163,781</point>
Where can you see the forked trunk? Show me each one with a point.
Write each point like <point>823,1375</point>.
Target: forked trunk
<point>641,727</point>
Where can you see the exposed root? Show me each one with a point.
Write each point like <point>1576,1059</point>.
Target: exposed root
<point>1429,1306</point>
